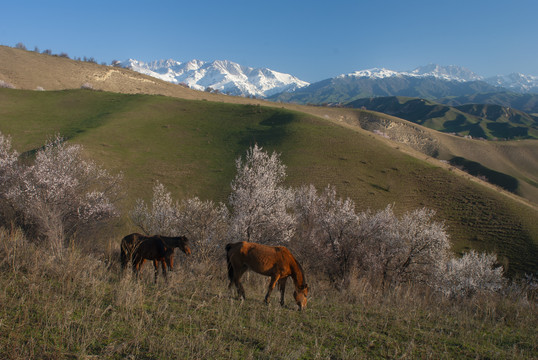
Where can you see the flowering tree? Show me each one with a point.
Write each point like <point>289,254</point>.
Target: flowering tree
<point>403,249</point>
<point>471,274</point>
<point>8,165</point>
<point>161,218</point>
<point>203,222</point>
<point>328,226</point>
<point>8,160</point>
<point>63,193</point>
<point>259,202</point>
<point>206,224</point>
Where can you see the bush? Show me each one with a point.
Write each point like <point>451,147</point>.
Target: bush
<point>380,246</point>
<point>62,194</point>
<point>396,250</point>
<point>203,222</point>
<point>8,172</point>
<point>327,228</point>
<point>6,85</point>
<point>471,274</point>
<point>259,203</point>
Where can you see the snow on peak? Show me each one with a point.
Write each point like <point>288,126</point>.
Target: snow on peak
<point>516,82</point>
<point>375,73</point>
<point>222,75</point>
<point>451,73</point>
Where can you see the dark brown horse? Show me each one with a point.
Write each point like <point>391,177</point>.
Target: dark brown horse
<point>138,248</point>
<point>274,261</point>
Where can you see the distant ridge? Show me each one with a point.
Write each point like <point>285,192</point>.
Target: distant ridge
<point>476,120</point>
<point>431,82</point>
<point>221,75</point>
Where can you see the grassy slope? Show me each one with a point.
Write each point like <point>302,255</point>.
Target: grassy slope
<point>518,159</point>
<point>479,121</point>
<point>28,70</point>
<point>191,146</point>
<point>75,307</point>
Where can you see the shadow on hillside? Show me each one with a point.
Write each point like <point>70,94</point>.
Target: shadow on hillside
<point>272,130</point>
<point>506,182</point>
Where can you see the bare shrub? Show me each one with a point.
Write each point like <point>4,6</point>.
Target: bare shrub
<point>327,228</point>
<point>8,172</point>
<point>86,86</point>
<point>379,246</point>
<point>206,224</point>
<point>161,218</point>
<point>407,249</point>
<point>63,193</point>
<point>203,222</point>
<point>6,85</point>
<point>469,275</point>
<point>259,203</point>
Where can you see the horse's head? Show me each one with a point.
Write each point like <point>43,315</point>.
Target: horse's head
<point>300,296</point>
<point>185,245</point>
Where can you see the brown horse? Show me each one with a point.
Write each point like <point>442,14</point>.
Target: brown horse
<point>139,248</point>
<point>274,261</point>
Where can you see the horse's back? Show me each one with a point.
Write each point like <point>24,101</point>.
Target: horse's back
<point>263,259</point>
<point>151,248</point>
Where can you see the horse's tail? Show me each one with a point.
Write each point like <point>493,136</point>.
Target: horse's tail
<point>123,253</point>
<point>230,267</point>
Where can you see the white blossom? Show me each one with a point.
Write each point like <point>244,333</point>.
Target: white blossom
<point>258,200</point>
<point>472,273</point>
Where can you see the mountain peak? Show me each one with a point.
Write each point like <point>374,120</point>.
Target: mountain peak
<point>222,75</point>
<point>450,72</point>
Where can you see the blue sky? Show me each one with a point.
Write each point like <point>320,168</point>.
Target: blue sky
<point>312,40</point>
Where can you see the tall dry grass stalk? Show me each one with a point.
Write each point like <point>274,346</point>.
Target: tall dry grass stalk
<point>81,305</point>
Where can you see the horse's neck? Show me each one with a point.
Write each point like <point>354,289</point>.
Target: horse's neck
<point>297,273</point>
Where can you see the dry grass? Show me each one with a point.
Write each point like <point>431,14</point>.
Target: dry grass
<point>81,306</point>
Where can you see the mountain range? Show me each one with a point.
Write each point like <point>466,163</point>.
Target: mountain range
<point>431,81</point>
<point>221,75</point>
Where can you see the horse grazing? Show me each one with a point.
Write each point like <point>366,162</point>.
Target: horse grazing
<point>139,248</point>
<point>274,261</point>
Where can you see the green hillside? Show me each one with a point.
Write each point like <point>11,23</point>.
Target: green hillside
<point>479,121</point>
<point>344,89</point>
<point>191,147</point>
<point>524,102</point>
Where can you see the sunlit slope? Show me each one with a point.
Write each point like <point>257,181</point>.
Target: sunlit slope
<point>191,147</point>
<point>30,70</point>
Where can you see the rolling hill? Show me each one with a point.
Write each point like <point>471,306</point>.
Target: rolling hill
<point>524,102</point>
<point>479,121</point>
<point>190,146</point>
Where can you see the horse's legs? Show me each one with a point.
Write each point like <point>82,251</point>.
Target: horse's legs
<point>170,262</point>
<point>282,288</point>
<point>137,265</point>
<point>156,266</point>
<point>163,265</point>
<point>272,283</point>
<point>237,281</point>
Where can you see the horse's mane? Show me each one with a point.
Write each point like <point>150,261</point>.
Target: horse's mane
<point>297,266</point>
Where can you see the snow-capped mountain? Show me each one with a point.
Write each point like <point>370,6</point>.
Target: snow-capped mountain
<point>449,73</point>
<point>515,82</point>
<point>222,75</point>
